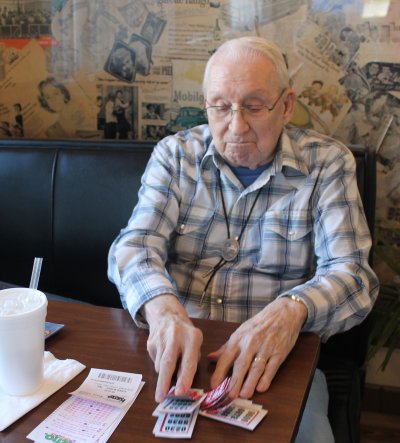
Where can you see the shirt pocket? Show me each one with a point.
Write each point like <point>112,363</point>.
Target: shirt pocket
<point>190,239</point>
<point>286,243</point>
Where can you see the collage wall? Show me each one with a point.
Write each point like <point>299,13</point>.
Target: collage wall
<point>132,69</point>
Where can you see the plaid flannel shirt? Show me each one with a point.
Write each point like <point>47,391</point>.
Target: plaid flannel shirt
<point>307,234</point>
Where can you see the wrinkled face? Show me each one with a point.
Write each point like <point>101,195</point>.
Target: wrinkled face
<point>243,139</point>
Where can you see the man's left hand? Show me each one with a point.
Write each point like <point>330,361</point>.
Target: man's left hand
<point>258,347</point>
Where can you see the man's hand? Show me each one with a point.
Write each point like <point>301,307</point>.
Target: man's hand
<point>173,340</point>
<point>258,347</point>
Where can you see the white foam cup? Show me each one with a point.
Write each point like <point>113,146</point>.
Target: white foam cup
<point>22,325</point>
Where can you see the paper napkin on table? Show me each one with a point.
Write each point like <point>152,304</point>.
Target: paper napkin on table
<point>57,373</point>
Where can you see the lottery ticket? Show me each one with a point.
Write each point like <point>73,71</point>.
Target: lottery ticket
<point>242,413</point>
<point>217,399</point>
<point>180,404</point>
<point>216,396</point>
<point>219,406</point>
<point>173,425</point>
<point>192,394</point>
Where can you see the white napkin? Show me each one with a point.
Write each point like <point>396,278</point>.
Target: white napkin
<point>57,373</point>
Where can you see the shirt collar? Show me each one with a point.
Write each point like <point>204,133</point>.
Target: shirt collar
<point>288,158</point>
<point>211,155</point>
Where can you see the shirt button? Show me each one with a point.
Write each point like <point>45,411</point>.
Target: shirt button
<point>182,227</point>
<point>219,300</point>
<point>291,233</point>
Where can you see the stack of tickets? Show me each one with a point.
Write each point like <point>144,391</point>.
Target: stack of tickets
<point>177,415</point>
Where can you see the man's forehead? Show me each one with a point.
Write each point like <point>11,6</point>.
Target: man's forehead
<point>227,71</point>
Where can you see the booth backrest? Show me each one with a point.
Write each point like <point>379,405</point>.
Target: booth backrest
<point>352,345</point>
<point>66,202</point>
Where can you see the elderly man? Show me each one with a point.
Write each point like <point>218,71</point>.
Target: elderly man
<point>246,220</point>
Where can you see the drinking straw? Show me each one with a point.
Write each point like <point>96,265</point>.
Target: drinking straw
<point>37,266</point>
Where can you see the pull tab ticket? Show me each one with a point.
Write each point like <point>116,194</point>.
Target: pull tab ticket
<point>109,387</point>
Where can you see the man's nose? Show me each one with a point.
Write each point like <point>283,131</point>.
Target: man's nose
<point>238,123</point>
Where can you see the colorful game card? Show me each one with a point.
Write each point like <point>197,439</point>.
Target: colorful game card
<point>174,425</point>
<point>242,413</point>
<point>180,404</point>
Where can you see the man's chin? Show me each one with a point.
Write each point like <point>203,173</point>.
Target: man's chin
<point>242,162</point>
<point>238,158</point>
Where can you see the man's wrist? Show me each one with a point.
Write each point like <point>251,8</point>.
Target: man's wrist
<point>161,306</point>
<point>299,301</point>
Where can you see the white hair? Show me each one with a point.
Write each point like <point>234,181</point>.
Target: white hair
<point>247,48</point>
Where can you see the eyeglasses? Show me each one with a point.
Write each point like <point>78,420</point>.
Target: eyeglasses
<point>248,111</point>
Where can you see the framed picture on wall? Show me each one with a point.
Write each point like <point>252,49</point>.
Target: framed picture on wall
<point>121,62</point>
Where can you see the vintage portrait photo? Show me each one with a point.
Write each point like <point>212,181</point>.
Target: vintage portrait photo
<point>153,28</point>
<point>121,62</point>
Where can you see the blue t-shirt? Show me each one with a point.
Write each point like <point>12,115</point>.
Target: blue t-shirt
<point>248,176</point>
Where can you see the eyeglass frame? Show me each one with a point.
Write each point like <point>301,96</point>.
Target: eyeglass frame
<point>245,107</point>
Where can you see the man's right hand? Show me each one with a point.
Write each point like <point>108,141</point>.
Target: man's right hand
<point>173,340</point>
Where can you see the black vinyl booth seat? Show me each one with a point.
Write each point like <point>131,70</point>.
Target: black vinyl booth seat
<point>343,356</point>
<point>66,201</point>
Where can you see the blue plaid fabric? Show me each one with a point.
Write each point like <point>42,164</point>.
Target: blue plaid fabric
<point>307,234</point>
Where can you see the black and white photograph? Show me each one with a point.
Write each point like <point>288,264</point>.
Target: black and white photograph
<point>25,19</point>
<point>121,62</point>
<point>153,28</point>
<point>142,49</point>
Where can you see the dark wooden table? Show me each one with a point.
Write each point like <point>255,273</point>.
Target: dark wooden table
<point>107,338</point>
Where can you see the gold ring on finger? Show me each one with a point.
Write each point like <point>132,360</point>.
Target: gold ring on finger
<point>260,360</point>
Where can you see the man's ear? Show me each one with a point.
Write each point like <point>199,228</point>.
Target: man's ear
<point>290,101</point>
